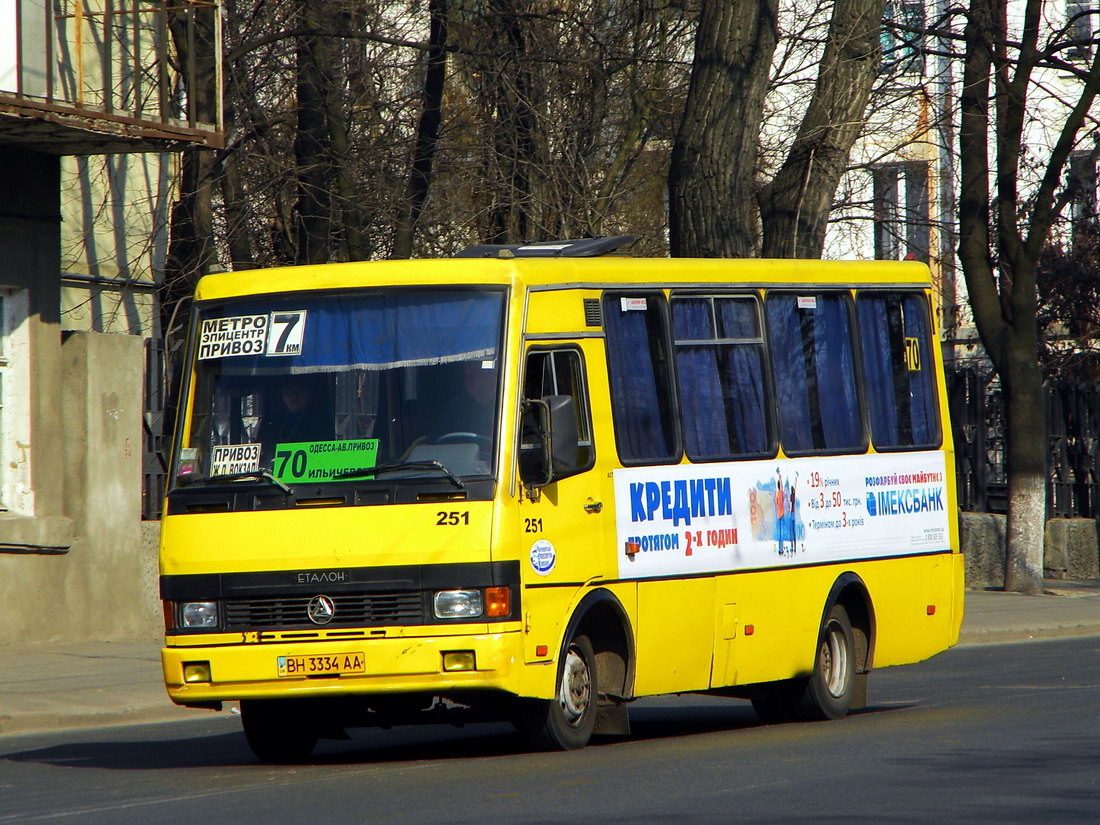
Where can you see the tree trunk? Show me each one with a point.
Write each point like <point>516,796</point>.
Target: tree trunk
<point>235,205</point>
<point>710,179</point>
<point>510,209</point>
<point>1027,453</point>
<point>794,207</point>
<point>312,146</point>
<point>427,132</point>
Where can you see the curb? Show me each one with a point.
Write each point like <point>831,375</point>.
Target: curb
<point>980,638</point>
<point>47,722</point>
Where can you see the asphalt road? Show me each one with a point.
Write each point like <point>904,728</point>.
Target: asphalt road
<point>998,734</point>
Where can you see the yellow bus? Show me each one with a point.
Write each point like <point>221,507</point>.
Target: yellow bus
<point>536,482</point>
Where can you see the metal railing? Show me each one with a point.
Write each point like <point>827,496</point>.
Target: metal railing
<point>1072,435</point>
<point>136,62</point>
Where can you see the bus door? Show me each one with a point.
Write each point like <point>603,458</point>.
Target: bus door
<point>561,522</point>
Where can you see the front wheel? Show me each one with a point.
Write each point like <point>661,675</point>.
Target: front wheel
<point>566,721</point>
<point>275,732</point>
<point>827,694</point>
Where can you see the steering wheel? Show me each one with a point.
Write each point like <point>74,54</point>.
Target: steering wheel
<point>483,441</point>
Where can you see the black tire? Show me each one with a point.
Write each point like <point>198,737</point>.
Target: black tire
<point>566,721</point>
<point>275,733</point>
<point>827,694</point>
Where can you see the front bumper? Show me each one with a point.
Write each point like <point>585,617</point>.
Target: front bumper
<point>408,663</point>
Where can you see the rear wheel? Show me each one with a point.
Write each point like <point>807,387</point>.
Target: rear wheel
<point>828,692</point>
<point>275,732</point>
<point>566,721</point>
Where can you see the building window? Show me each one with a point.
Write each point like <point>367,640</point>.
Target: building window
<point>902,36</point>
<point>1079,25</point>
<point>15,473</point>
<point>902,216</point>
<point>1082,185</point>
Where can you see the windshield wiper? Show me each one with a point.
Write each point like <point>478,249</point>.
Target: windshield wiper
<point>400,465</point>
<point>254,475</point>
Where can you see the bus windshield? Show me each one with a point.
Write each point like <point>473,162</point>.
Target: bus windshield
<point>313,387</point>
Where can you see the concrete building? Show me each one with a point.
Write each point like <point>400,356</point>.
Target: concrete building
<point>91,100</point>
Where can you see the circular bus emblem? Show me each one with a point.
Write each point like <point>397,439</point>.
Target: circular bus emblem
<point>543,557</point>
<point>321,610</point>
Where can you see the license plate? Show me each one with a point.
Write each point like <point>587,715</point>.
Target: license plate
<point>332,664</point>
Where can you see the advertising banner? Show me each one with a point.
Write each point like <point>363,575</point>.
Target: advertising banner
<point>745,515</point>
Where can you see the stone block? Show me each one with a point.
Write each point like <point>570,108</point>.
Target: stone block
<point>982,538</point>
<point>1071,549</point>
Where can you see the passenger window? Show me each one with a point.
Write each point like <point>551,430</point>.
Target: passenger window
<point>561,372</point>
<point>642,397</point>
<point>810,339</point>
<point>720,377</point>
<point>894,330</point>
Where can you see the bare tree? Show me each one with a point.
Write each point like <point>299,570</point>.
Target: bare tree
<point>795,204</point>
<point>1002,233</point>
<point>427,131</point>
<point>720,201</point>
<point>712,170</point>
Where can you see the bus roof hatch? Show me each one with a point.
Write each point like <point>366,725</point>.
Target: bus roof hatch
<point>579,248</point>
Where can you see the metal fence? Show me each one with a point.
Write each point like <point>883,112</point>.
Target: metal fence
<point>1073,439</point>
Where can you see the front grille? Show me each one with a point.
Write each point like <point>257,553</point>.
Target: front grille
<point>351,609</point>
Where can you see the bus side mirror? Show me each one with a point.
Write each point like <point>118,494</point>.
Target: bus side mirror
<point>549,447</point>
<point>564,447</point>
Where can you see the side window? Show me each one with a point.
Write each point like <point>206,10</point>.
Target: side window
<point>720,376</point>
<point>642,400</point>
<point>561,372</point>
<point>897,364</point>
<point>810,338</point>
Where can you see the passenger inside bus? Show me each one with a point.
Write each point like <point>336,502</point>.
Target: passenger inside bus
<point>302,412</point>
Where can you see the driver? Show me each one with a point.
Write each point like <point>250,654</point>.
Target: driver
<point>471,409</point>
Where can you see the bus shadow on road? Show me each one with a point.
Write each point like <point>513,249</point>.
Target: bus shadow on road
<point>178,746</point>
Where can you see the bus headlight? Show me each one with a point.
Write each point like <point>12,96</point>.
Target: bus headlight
<point>199,614</point>
<point>458,604</point>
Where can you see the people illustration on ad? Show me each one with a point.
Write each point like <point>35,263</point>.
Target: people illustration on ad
<point>776,514</point>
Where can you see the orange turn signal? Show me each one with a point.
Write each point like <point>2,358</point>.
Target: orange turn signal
<point>498,601</point>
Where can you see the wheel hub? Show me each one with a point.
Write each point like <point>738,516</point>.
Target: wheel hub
<point>576,687</point>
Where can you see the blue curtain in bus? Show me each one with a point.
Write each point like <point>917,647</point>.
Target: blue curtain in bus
<point>639,399</point>
<point>901,400</point>
<point>721,384</point>
<point>381,331</point>
<point>702,408</point>
<point>814,370</point>
<point>841,420</point>
<point>926,428</point>
<point>744,374</point>
<point>874,332</point>
<point>400,330</point>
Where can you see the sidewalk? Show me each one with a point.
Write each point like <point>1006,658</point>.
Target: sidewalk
<point>51,687</point>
